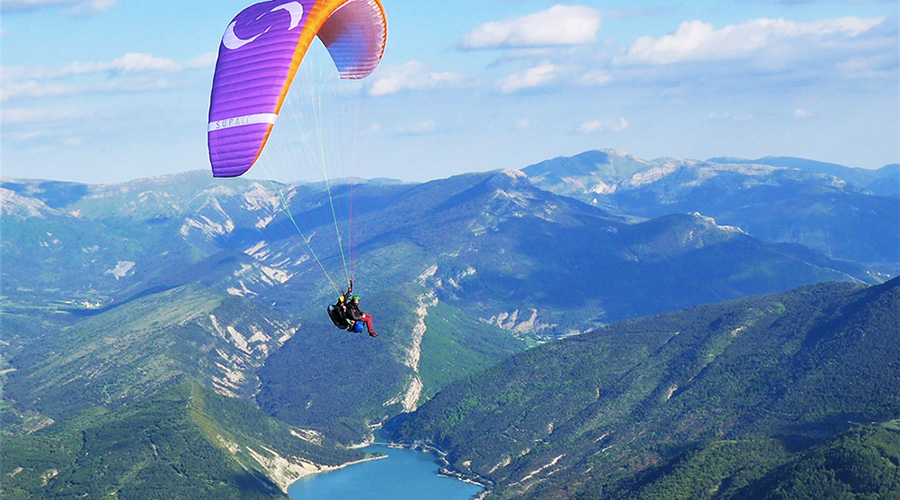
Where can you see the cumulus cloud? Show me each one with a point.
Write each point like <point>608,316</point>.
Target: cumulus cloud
<point>413,75</point>
<point>608,125</point>
<point>760,56</point>
<point>72,7</point>
<point>700,41</point>
<point>559,25</point>
<point>530,78</point>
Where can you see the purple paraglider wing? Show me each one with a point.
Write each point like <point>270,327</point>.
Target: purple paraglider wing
<point>259,55</point>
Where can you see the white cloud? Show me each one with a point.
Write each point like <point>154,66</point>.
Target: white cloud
<point>423,127</point>
<point>10,116</point>
<point>530,78</point>
<point>29,136</point>
<point>590,127</point>
<point>595,78</point>
<point>882,65</point>
<point>559,25</point>
<point>91,7</point>
<point>38,82</point>
<point>802,114</point>
<point>371,130</point>
<point>733,117</point>
<point>129,63</point>
<point>413,75</point>
<point>73,7</point>
<point>608,125</point>
<point>32,88</point>
<point>699,41</point>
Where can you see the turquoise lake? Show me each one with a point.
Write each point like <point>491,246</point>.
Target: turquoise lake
<point>405,474</point>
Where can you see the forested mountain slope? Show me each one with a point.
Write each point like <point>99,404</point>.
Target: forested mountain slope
<point>181,442</point>
<point>728,398</point>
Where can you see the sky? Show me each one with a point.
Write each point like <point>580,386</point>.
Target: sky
<point>105,91</point>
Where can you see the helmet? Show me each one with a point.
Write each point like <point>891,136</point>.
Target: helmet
<point>341,298</point>
<point>355,297</point>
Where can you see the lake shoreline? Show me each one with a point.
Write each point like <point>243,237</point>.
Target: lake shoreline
<point>445,469</point>
<point>331,468</point>
<point>439,468</point>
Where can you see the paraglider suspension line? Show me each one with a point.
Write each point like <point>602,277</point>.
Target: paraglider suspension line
<point>323,164</point>
<point>287,211</point>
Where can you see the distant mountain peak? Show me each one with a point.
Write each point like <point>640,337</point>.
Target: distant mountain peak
<point>14,204</point>
<point>676,234</point>
<point>509,179</point>
<point>617,152</point>
<point>596,172</point>
<point>712,222</point>
<point>513,174</point>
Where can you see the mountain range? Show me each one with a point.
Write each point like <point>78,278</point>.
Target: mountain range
<point>187,288</point>
<point>845,213</point>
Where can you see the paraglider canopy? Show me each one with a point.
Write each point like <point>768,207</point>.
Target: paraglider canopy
<point>260,52</point>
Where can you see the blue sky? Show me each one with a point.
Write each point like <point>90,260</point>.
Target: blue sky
<point>111,90</point>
